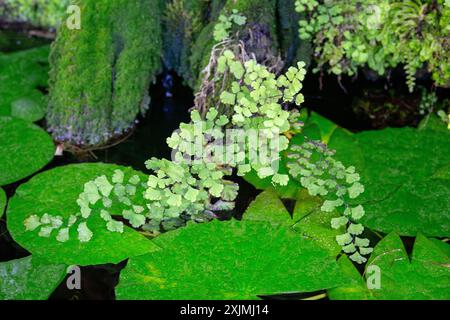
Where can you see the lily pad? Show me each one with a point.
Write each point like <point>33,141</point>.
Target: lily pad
<point>433,122</point>
<point>307,219</point>
<point>406,174</point>
<point>268,207</point>
<point>229,260</point>
<point>356,287</point>
<point>29,279</point>
<point>25,149</point>
<point>56,192</point>
<point>325,126</point>
<point>315,224</point>
<point>425,277</point>
<point>2,202</point>
<point>23,74</point>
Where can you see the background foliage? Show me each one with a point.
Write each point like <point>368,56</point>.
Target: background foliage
<point>352,34</point>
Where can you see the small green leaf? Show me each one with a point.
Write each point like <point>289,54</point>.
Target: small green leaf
<point>344,239</point>
<point>134,180</point>
<point>355,229</point>
<point>191,194</point>
<point>32,223</point>
<point>355,190</point>
<point>103,185</point>
<point>115,226</point>
<point>63,235</point>
<point>337,223</point>
<point>84,233</point>
<point>281,179</point>
<point>228,98</point>
<point>118,176</point>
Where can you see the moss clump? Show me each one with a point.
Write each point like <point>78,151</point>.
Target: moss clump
<point>100,74</point>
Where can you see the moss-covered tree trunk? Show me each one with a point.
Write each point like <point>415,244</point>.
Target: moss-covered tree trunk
<point>257,38</point>
<point>100,74</point>
<point>259,34</point>
<point>271,30</point>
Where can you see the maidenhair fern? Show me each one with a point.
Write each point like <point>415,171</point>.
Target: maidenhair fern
<point>312,163</point>
<point>223,27</point>
<point>194,186</point>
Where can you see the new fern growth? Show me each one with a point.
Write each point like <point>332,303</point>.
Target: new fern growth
<point>313,165</point>
<point>223,27</point>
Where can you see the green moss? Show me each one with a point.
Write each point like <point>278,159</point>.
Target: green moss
<point>293,49</point>
<point>100,74</point>
<point>182,23</point>
<point>256,11</point>
<point>215,8</point>
<point>201,53</point>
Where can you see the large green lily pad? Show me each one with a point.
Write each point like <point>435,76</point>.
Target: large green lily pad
<point>406,174</point>
<point>229,260</point>
<point>29,279</point>
<point>56,192</point>
<point>2,202</point>
<point>22,75</point>
<point>425,277</point>
<point>25,149</point>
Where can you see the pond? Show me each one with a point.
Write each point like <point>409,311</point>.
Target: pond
<point>340,102</point>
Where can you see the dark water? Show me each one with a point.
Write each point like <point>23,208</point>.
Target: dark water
<point>149,138</point>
